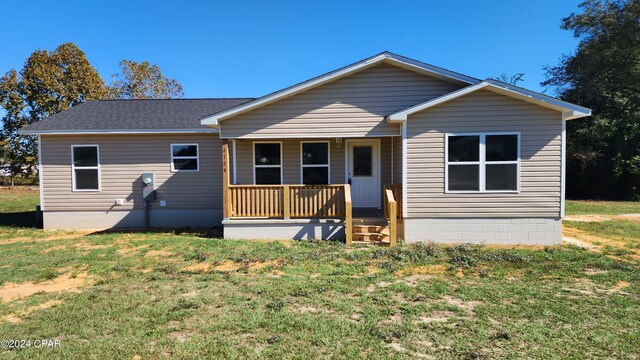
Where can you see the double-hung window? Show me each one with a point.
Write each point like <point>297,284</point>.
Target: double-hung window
<point>184,157</point>
<point>482,162</point>
<point>267,163</point>
<point>85,167</point>
<point>315,163</point>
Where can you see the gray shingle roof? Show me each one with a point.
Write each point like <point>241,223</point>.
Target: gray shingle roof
<point>153,114</point>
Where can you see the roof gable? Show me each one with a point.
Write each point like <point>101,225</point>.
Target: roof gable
<point>570,111</point>
<point>385,57</point>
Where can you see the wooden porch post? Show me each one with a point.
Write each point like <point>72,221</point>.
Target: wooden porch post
<point>286,202</point>
<point>225,179</point>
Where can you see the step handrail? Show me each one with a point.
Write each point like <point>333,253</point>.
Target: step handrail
<point>391,214</point>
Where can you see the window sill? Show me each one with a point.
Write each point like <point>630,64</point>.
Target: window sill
<point>483,192</point>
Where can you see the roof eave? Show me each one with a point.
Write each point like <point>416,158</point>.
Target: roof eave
<point>118,131</point>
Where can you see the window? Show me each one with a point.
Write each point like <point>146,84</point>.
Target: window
<point>483,162</point>
<point>362,160</point>
<point>267,163</point>
<point>315,163</point>
<point>85,167</point>
<point>184,157</point>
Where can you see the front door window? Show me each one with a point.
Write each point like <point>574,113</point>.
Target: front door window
<point>362,157</point>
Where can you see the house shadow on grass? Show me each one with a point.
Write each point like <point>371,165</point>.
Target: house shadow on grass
<point>207,233</point>
<point>25,219</point>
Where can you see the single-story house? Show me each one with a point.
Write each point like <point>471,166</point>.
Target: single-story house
<point>385,148</point>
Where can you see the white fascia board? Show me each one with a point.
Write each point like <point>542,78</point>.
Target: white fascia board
<point>117,131</point>
<point>571,111</point>
<point>213,120</point>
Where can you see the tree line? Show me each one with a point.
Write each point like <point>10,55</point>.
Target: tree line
<point>53,81</point>
<point>603,73</point>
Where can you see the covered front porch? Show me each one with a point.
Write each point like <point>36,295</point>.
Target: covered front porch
<point>340,189</point>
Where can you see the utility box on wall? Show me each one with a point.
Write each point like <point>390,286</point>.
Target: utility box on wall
<point>149,187</point>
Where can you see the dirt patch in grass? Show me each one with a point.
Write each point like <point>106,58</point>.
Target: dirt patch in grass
<point>20,239</point>
<point>258,265</point>
<point>413,354</point>
<point>275,273</point>
<point>467,306</point>
<point>436,316</point>
<point>227,266</point>
<point>587,287</point>
<point>587,218</point>
<point>159,253</point>
<point>89,246</point>
<point>585,240</point>
<point>67,282</point>
<point>181,336</point>
<point>16,318</point>
<point>199,267</point>
<point>54,249</point>
<point>131,250</point>
<point>634,217</point>
<point>601,218</point>
<point>79,246</point>
<point>437,269</point>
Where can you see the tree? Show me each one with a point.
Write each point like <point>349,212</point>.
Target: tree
<point>143,81</point>
<point>48,83</point>
<point>603,151</point>
<point>511,80</point>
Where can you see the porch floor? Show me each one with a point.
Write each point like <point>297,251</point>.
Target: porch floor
<point>368,216</point>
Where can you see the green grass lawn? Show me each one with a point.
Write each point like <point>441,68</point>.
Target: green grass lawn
<point>575,207</point>
<point>161,295</point>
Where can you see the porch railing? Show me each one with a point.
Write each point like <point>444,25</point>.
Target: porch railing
<point>287,201</point>
<point>291,202</point>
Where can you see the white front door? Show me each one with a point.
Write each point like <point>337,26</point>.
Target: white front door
<point>363,172</point>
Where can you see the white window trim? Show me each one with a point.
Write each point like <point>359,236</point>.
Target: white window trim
<point>482,163</point>
<point>327,165</point>
<point>197,157</point>
<point>73,169</point>
<point>253,160</point>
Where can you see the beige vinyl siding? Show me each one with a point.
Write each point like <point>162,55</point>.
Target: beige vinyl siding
<point>485,111</point>
<point>123,158</point>
<point>397,160</point>
<point>385,161</point>
<point>291,160</point>
<point>353,106</point>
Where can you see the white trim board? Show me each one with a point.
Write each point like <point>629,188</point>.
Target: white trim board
<point>97,167</point>
<point>386,57</point>
<point>405,185</point>
<point>197,157</point>
<point>40,173</point>
<point>327,165</point>
<point>378,151</point>
<point>571,111</point>
<point>563,166</point>
<point>253,159</point>
<point>481,163</point>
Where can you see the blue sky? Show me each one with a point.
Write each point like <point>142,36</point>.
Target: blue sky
<point>250,48</point>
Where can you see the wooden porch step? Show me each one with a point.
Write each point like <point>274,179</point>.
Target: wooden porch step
<point>369,237</point>
<point>378,243</point>
<point>382,229</point>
